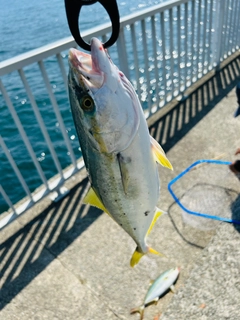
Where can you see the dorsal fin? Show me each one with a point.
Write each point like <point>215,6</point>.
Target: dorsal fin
<point>158,213</point>
<point>159,154</point>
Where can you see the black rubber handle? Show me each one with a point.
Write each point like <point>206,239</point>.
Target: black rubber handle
<point>73,8</point>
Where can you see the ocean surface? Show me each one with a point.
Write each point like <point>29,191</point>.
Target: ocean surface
<point>26,25</point>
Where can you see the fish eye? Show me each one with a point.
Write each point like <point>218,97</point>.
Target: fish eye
<point>87,103</point>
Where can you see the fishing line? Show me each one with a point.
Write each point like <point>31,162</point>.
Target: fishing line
<point>196,213</point>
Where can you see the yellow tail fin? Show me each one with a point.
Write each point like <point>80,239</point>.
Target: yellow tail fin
<point>137,255</point>
<point>151,250</point>
<point>140,310</point>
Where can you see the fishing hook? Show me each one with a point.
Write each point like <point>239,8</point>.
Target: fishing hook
<point>73,8</point>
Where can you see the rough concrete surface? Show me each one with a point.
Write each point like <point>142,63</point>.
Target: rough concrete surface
<point>213,288</point>
<point>70,261</point>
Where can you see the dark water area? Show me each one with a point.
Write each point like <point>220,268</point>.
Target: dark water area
<point>26,25</point>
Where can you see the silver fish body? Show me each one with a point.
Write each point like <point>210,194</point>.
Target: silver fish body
<point>115,143</point>
<point>161,285</point>
<point>158,287</point>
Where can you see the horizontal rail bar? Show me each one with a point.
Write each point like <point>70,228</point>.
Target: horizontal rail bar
<point>51,49</point>
<point>55,185</point>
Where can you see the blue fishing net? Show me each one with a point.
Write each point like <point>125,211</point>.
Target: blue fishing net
<point>207,190</point>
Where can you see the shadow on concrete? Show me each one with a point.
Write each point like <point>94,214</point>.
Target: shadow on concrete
<point>175,124</point>
<point>31,249</point>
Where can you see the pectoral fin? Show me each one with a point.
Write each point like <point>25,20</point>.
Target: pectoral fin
<point>172,288</point>
<point>92,199</point>
<point>124,170</point>
<point>159,154</point>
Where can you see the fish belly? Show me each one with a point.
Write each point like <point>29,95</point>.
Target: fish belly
<point>131,204</point>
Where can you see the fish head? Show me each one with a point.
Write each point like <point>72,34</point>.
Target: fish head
<point>103,101</point>
<point>174,272</point>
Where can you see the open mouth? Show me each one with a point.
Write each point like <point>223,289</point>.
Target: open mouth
<point>86,70</point>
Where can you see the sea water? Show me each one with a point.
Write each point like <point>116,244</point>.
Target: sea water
<point>27,25</point>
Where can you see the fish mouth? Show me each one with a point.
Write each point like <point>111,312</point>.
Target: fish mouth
<point>86,68</point>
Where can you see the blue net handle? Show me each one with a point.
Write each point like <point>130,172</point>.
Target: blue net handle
<point>199,214</point>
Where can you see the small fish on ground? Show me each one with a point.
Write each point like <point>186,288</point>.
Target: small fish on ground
<point>158,287</point>
<point>119,154</point>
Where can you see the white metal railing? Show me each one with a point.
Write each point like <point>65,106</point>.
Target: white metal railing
<point>163,50</point>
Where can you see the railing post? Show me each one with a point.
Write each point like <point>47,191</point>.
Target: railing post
<point>219,32</point>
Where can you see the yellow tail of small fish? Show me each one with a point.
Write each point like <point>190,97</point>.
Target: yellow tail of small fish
<point>140,310</point>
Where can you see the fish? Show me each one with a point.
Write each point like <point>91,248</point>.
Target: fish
<point>157,288</point>
<point>119,154</point>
